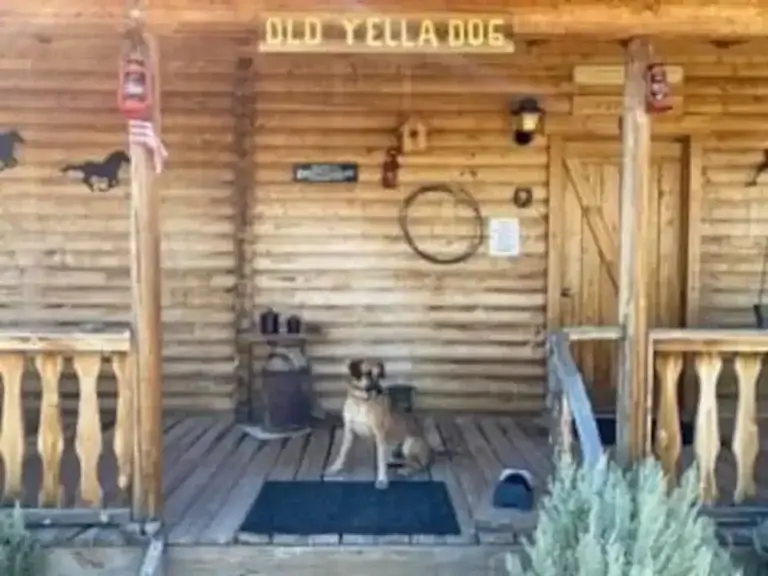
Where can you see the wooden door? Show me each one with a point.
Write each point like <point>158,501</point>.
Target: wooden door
<point>591,247</point>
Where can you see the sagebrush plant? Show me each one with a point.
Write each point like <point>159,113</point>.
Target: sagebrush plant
<point>20,554</point>
<point>756,560</point>
<point>602,521</point>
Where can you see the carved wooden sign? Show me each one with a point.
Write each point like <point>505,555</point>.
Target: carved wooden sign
<point>355,33</point>
<point>325,173</point>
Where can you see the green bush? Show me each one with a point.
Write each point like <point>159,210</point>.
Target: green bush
<point>20,554</point>
<point>603,521</point>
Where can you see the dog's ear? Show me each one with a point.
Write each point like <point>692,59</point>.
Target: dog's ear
<point>381,372</point>
<point>355,368</point>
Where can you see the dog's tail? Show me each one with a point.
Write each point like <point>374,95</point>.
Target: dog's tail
<point>447,453</point>
<point>72,168</point>
<point>434,455</point>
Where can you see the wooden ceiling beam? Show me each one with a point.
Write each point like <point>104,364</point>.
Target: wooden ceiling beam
<point>596,18</point>
<point>606,22</point>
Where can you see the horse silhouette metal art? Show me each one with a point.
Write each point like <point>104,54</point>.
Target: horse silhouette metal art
<point>103,175</point>
<point>8,142</point>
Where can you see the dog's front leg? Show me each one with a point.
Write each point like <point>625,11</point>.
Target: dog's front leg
<point>346,446</point>
<point>382,479</point>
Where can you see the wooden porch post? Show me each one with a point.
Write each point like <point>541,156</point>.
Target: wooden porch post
<point>147,327</point>
<point>632,410</point>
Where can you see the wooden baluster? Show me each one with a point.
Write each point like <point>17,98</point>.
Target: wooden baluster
<point>668,441</point>
<point>50,437</point>
<point>707,441</point>
<point>124,425</point>
<point>746,438</point>
<point>12,431</point>
<point>88,442</point>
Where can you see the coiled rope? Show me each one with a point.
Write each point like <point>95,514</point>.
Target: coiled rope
<point>460,197</point>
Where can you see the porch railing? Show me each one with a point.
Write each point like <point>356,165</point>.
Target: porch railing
<point>708,348</point>
<point>568,401</point>
<point>46,352</point>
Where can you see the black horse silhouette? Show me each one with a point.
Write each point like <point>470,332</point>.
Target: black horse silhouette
<point>8,142</point>
<point>762,167</point>
<point>107,171</point>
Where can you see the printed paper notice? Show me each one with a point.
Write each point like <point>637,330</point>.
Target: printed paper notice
<point>504,237</point>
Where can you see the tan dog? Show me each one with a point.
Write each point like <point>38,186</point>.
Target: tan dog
<point>368,414</point>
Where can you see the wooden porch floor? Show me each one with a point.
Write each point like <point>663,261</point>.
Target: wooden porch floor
<point>214,471</point>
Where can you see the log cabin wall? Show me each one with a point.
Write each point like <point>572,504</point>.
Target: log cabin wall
<point>733,229</point>
<point>469,335</point>
<point>65,250</point>
<point>720,109</point>
<point>732,235</point>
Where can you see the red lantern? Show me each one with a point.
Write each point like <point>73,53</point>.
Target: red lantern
<point>658,96</point>
<point>134,97</point>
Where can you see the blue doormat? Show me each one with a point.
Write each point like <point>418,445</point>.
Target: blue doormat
<point>314,507</point>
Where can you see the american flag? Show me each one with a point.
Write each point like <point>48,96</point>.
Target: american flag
<point>142,133</point>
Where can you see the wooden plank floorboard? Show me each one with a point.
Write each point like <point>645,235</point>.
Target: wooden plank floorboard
<point>289,461</point>
<point>170,422</point>
<point>177,444</point>
<point>189,460</point>
<point>488,463</point>
<point>199,516</point>
<point>504,523</point>
<point>463,464</point>
<point>182,436</point>
<point>508,525</point>
<point>336,436</point>
<point>225,525</point>
<point>529,436</point>
<point>487,467</point>
<point>361,464</point>
<point>509,455</point>
<point>537,452</point>
<point>185,503</point>
<point>180,500</point>
<point>442,472</point>
<point>316,455</point>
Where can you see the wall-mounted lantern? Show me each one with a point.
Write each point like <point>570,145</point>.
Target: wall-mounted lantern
<point>658,96</point>
<point>528,115</point>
